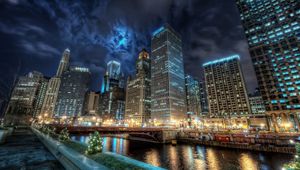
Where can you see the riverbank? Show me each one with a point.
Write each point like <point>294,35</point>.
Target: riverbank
<point>261,148</point>
<point>72,156</point>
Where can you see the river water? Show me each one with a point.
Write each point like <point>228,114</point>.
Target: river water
<point>193,157</point>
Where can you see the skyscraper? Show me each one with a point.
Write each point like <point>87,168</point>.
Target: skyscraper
<point>192,96</point>
<point>272,29</point>
<point>23,98</point>
<point>72,92</point>
<point>138,96</point>
<point>41,93</point>
<point>168,105</point>
<point>54,84</point>
<point>226,91</point>
<point>64,63</point>
<point>203,98</point>
<point>113,69</point>
<point>113,76</point>
<point>112,101</point>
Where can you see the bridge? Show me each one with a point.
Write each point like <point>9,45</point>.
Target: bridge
<point>154,135</point>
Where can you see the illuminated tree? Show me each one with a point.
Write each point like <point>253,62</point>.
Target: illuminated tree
<point>64,135</point>
<point>295,165</point>
<point>94,144</point>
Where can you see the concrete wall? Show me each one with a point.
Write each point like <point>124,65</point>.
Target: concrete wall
<point>69,158</point>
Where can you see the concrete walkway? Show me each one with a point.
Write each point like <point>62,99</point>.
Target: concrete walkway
<point>23,150</point>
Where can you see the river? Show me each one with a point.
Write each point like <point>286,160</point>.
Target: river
<point>193,157</point>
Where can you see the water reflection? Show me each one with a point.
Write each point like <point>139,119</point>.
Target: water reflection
<point>152,157</point>
<point>247,162</point>
<point>192,157</point>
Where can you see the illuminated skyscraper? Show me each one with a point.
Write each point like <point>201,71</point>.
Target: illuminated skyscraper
<point>167,77</point>
<point>54,84</point>
<point>113,76</point>
<point>64,63</point>
<point>112,101</point>
<point>138,96</point>
<point>23,99</point>
<point>226,91</point>
<point>72,91</point>
<point>272,28</point>
<point>192,96</point>
<point>41,93</point>
<point>113,69</point>
<point>203,98</point>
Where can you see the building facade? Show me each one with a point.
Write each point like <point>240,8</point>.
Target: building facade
<point>272,29</point>
<point>92,103</point>
<point>41,93</point>
<point>23,99</point>
<point>53,86</point>
<point>168,106</point>
<point>138,96</point>
<point>226,91</point>
<point>112,99</point>
<point>257,104</point>
<point>72,92</point>
<point>192,96</point>
<point>203,98</point>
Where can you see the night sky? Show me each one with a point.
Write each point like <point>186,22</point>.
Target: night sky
<point>34,33</point>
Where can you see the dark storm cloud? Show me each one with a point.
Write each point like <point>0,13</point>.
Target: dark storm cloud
<point>34,33</point>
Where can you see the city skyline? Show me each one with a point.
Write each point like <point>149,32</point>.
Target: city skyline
<point>160,84</point>
<point>197,48</point>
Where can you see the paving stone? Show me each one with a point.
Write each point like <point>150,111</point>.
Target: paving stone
<point>23,150</point>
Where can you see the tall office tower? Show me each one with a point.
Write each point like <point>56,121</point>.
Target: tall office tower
<point>72,92</point>
<point>168,105</point>
<point>54,84</point>
<point>192,96</point>
<point>138,96</point>
<point>203,98</point>
<point>112,101</point>
<point>64,63</point>
<point>23,98</point>
<point>113,69</point>
<point>272,28</point>
<point>92,103</point>
<point>226,91</point>
<point>41,93</point>
<point>113,76</point>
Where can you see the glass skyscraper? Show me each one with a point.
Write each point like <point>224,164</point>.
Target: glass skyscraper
<point>168,104</point>
<point>72,91</point>
<point>192,96</point>
<point>112,101</point>
<point>113,69</point>
<point>272,29</point>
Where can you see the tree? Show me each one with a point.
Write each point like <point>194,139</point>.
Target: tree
<point>295,165</point>
<point>94,144</point>
<point>64,135</point>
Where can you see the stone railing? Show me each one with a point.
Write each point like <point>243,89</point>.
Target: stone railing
<point>68,157</point>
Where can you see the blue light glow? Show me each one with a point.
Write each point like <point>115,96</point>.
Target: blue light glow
<point>222,60</point>
<point>102,87</point>
<point>160,29</point>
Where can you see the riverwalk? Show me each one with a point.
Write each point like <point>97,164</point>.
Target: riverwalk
<point>23,150</point>
<point>244,146</point>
